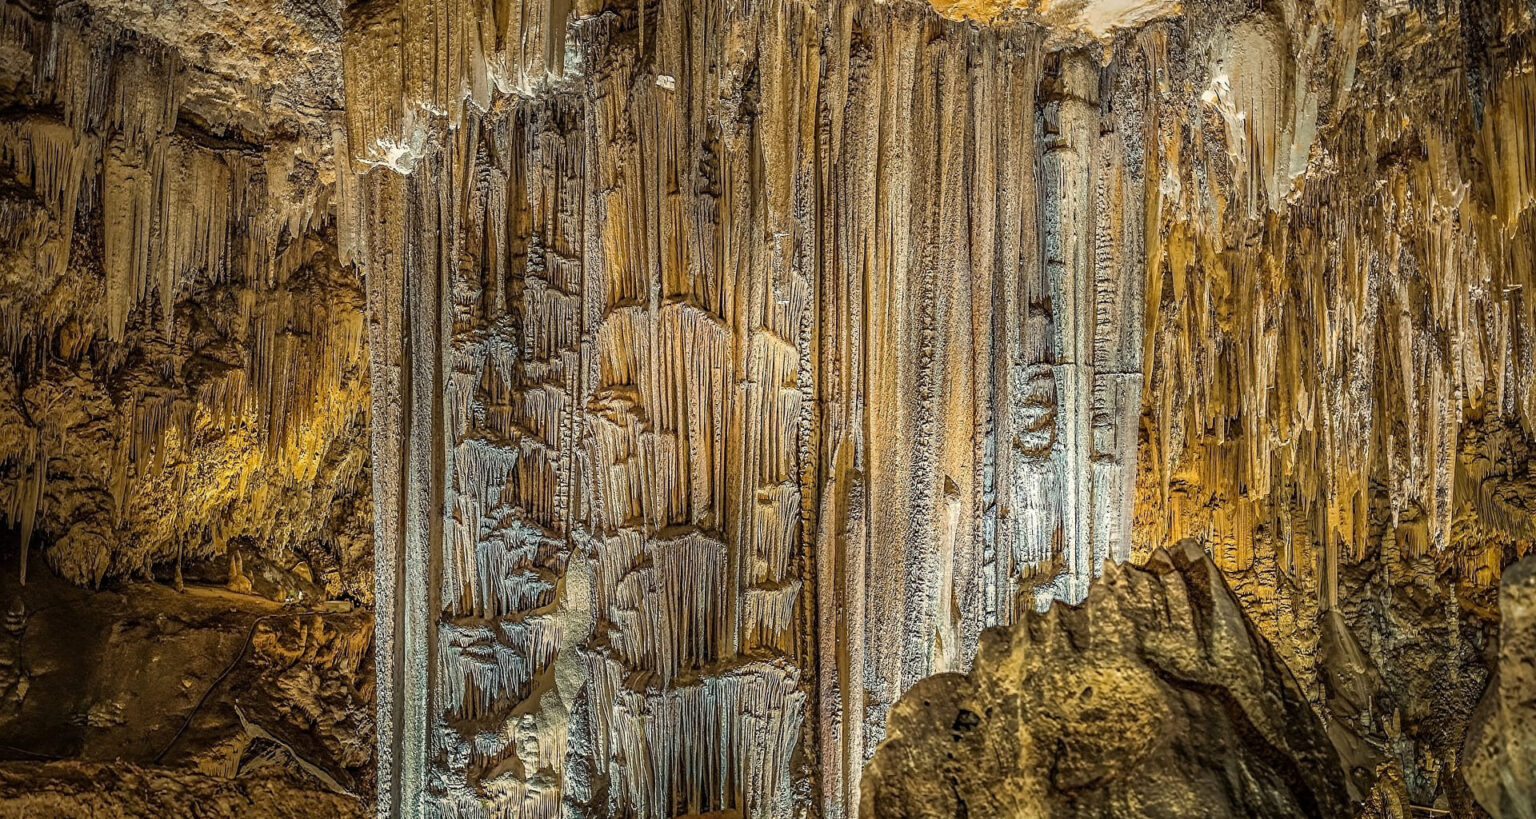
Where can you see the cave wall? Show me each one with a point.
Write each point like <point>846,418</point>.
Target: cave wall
<point>756,357</point>
<point>1341,317</point>
<point>1339,349</point>
<point>184,353</point>
<point>732,366</point>
<point>717,428</point>
<point>184,417</point>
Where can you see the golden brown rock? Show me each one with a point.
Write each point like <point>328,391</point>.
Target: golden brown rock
<point>184,352</point>
<point>1500,756</point>
<point>733,365</point>
<point>1154,697</point>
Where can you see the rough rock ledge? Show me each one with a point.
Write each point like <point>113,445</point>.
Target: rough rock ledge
<point>1154,698</point>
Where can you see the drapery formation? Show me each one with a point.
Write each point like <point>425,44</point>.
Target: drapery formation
<point>735,365</point>
<point>734,368</point>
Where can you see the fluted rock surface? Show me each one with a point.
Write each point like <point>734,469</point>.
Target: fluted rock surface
<point>737,364</point>
<point>746,384</point>
<point>1155,697</point>
<point>731,365</point>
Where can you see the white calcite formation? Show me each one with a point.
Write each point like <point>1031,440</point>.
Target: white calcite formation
<point>814,357</point>
<point>736,365</point>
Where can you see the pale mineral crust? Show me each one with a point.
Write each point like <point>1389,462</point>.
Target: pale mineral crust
<point>744,381</point>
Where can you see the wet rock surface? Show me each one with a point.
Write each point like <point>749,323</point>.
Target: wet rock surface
<point>1156,697</point>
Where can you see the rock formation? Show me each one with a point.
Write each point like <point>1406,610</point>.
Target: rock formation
<point>74,790</point>
<point>680,381</point>
<point>183,403</point>
<point>1155,697</point>
<point>1501,741</point>
<point>795,344</point>
<point>184,353</point>
<point>204,691</point>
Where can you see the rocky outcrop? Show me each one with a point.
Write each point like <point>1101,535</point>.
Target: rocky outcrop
<point>82,790</point>
<point>1155,697</point>
<point>1500,757</point>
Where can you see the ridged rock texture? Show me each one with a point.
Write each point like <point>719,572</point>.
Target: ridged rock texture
<point>684,380</point>
<point>1156,697</point>
<point>183,399</point>
<point>729,408</point>
<point>185,359</point>
<point>737,364</point>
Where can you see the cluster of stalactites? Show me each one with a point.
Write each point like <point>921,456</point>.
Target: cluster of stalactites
<point>819,304</point>
<point>656,328</point>
<point>1335,287</point>
<point>145,231</point>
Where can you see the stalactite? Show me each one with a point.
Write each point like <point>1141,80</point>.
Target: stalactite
<point>733,366</point>
<point>670,279</point>
<point>177,318</point>
<point>828,335</point>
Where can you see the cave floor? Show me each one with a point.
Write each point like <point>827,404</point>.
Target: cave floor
<point>137,689</point>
